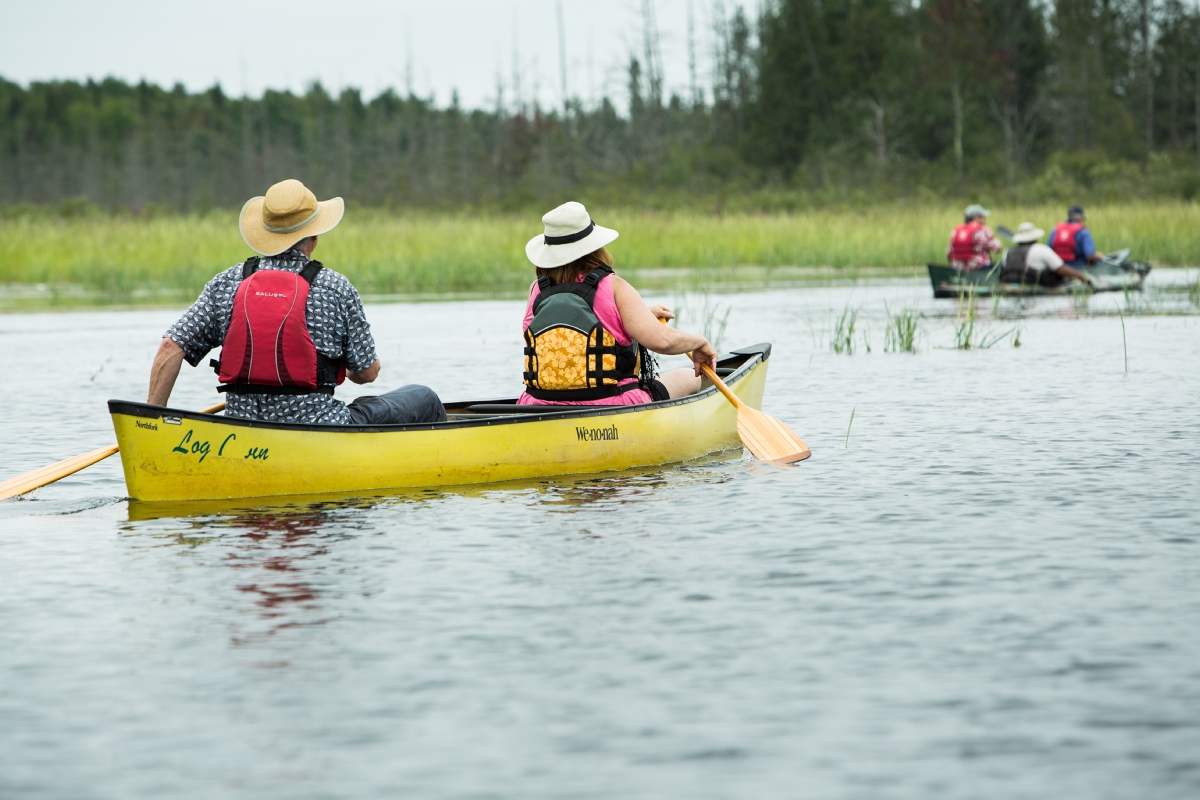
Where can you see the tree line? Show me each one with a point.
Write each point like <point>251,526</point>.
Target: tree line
<point>812,101</point>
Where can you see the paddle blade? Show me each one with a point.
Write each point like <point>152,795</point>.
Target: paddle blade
<point>40,477</point>
<point>768,439</point>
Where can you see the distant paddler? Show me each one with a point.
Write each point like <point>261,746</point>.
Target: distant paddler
<point>972,243</point>
<point>587,331</point>
<point>1072,240</point>
<point>1031,263</point>
<point>290,329</point>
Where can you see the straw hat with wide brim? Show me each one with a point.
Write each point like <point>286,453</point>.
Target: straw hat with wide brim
<point>570,233</point>
<point>289,213</point>
<point>1027,232</point>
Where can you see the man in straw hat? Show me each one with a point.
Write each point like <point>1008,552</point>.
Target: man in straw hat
<point>972,243</point>
<point>289,329</point>
<point>1030,262</point>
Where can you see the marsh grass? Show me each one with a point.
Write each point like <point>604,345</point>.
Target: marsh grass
<point>843,331</point>
<point>134,260</point>
<point>969,331</point>
<point>965,320</point>
<point>1081,300</point>
<point>903,328</point>
<point>1124,343</point>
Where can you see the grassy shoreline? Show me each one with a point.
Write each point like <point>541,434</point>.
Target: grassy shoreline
<point>123,261</point>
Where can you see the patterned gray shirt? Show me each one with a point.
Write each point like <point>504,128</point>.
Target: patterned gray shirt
<point>336,322</point>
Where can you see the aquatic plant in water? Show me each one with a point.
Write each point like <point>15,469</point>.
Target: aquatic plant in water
<point>843,331</point>
<point>968,330</point>
<point>713,317</point>
<point>965,319</point>
<point>902,330</point>
<point>1124,344</point>
<point>1081,299</point>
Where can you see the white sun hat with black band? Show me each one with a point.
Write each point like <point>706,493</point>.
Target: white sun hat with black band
<point>288,213</point>
<point>570,234</point>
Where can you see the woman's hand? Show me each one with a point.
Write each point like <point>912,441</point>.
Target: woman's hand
<point>661,312</point>
<point>704,354</point>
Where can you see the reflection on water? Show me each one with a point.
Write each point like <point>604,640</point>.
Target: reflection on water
<point>986,590</point>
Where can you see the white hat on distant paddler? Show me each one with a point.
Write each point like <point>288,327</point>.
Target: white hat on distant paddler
<point>570,234</point>
<point>1027,232</point>
<point>288,213</point>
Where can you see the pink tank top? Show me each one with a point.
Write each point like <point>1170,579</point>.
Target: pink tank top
<point>605,307</point>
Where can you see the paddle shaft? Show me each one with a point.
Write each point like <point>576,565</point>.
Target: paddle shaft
<point>712,376</point>
<point>765,437</point>
<point>38,478</point>
<point>720,384</point>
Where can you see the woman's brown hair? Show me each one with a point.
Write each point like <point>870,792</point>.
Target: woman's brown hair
<point>569,273</point>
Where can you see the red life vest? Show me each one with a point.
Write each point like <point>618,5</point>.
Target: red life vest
<point>962,241</point>
<point>1063,242</point>
<point>268,349</point>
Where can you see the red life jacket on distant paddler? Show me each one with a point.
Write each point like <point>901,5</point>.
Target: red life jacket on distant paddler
<point>962,241</point>
<point>268,349</point>
<point>1063,243</point>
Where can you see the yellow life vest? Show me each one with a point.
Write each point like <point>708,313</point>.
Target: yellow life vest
<point>569,355</point>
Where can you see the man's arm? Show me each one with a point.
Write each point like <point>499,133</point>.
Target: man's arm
<point>990,243</point>
<point>1087,246</point>
<point>167,361</point>
<point>358,345</point>
<point>1070,272</point>
<point>364,375</point>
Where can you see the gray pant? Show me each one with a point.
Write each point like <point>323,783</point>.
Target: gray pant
<point>412,403</point>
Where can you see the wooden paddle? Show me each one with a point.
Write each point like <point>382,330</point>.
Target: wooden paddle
<point>765,437</point>
<point>40,477</point>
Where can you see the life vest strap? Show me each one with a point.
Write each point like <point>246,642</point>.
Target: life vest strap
<point>253,388</point>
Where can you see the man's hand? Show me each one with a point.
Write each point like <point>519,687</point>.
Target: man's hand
<point>167,361</point>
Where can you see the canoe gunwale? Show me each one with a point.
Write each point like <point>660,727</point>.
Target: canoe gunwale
<point>749,357</point>
<point>986,282</point>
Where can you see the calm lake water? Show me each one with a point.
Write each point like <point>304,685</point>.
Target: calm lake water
<point>989,588</point>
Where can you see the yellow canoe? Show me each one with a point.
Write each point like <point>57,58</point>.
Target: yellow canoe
<point>168,454</point>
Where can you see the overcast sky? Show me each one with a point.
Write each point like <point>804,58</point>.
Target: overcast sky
<point>248,46</point>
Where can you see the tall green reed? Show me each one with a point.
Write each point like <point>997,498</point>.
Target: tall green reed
<point>713,316</point>
<point>843,331</point>
<point>969,331</point>
<point>903,329</point>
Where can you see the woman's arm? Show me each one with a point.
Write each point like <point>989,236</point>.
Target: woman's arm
<point>642,324</point>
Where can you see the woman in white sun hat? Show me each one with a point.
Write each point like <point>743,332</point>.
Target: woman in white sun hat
<point>587,331</point>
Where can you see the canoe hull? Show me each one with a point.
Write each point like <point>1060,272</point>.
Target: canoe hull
<point>170,455</point>
<point>950,282</point>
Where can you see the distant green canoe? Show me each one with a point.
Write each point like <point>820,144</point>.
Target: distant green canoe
<point>1115,274</point>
